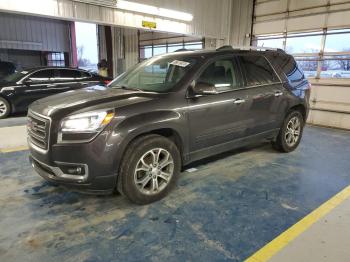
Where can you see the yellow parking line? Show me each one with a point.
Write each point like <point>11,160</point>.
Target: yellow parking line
<point>13,149</point>
<point>270,249</point>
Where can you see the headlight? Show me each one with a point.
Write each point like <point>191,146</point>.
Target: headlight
<point>83,126</point>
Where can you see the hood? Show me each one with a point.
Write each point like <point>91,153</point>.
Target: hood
<point>3,83</point>
<point>87,97</point>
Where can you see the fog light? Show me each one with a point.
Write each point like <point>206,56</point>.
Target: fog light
<point>75,171</point>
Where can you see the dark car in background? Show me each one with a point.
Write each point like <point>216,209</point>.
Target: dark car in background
<point>168,111</point>
<point>20,89</point>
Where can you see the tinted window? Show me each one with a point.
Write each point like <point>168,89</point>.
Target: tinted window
<point>68,73</point>
<point>221,74</point>
<point>257,70</point>
<point>295,75</point>
<point>85,74</point>
<point>42,75</point>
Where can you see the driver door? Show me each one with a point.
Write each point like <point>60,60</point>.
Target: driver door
<point>217,118</point>
<point>35,86</point>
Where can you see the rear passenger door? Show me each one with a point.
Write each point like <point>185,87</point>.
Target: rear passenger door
<point>265,93</point>
<point>68,79</point>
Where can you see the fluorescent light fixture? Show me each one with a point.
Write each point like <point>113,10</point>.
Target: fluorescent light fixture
<point>153,10</point>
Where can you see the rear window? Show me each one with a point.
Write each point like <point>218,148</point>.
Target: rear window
<point>296,74</point>
<point>257,70</point>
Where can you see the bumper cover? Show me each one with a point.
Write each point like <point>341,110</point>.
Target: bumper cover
<point>99,185</point>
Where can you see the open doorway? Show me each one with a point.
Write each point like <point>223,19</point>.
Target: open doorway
<point>87,46</point>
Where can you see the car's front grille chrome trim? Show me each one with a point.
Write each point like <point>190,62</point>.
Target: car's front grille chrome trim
<point>38,131</point>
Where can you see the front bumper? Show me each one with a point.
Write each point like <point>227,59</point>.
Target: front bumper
<point>100,185</point>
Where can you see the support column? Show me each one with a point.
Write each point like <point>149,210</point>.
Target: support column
<point>109,49</point>
<point>73,43</point>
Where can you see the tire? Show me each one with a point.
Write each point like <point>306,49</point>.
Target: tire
<point>288,140</point>
<point>137,178</point>
<point>5,108</point>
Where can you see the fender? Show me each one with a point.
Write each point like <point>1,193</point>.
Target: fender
<point>149,122</point>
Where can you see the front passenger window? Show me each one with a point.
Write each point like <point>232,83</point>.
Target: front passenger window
<point>221,74</point>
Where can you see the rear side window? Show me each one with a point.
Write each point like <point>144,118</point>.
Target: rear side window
<point>295,74</point>
<point>85,74</point>
<point>222,74</point>
<point>68,73</point>
<point>257,70</point>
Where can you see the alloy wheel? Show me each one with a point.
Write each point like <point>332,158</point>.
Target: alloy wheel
<point>3,108</point>
<point>292,133</point>
<point>154,171</point>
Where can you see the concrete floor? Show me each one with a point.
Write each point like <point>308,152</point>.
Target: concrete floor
<point>326,240</point>
<point>225,211</point>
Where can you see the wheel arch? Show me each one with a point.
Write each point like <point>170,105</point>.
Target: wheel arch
<point>301,108</point>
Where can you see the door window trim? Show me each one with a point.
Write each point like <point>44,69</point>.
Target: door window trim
<point>50,79</point>
<point>210,61</point>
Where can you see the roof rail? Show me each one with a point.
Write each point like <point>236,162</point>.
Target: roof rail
<point>257,48</point>
<point>225,48</point>
<point>181,50</point>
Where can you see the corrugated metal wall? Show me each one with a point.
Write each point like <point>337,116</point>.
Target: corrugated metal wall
<point>131,47</point>
<point>241,22</point>
<point>33,33</point>
<point>330,98</point>
<point>276,16</point>
<point>211,18</point>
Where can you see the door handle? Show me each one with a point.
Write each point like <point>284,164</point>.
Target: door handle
<point>278,93</point>
<point>239,101</point>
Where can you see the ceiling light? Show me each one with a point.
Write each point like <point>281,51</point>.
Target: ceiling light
<point>153,10</point>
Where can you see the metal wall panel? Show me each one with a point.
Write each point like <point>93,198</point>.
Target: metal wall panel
<point>278,16</point>
<point>33,33</point>
<point>131,47</point>
<point>329,100</point>
<point>241,21</point>
<point>211,18</point>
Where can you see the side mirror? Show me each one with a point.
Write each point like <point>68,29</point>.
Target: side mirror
<point>202,88</point>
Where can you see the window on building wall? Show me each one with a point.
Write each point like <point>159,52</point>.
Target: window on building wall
<point>149,50</point>
<point>331,60</point>
<point>276,41</point>
<point>304,43</point>
<point>174,47</point>
<point>55,59</point>
<point>159,50</point>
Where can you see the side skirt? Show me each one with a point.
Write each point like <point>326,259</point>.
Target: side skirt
<point>237,143</point>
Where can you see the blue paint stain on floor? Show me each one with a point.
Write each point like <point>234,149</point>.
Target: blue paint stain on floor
<point>232,206</point>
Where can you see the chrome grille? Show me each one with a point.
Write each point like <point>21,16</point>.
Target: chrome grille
<point>38,128</point>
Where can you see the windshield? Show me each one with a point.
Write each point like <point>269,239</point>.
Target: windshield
<point>158,74</point>
<point>15,76</point>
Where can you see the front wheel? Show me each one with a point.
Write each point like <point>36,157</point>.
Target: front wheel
<point>149,169</point>
<point>291,132</point>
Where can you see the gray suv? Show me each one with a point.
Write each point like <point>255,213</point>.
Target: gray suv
<point>135,135</point>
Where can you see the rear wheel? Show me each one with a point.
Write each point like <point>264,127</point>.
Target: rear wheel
<point>291,132</point>
<point>4,108</point>
<point>149,169</point>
